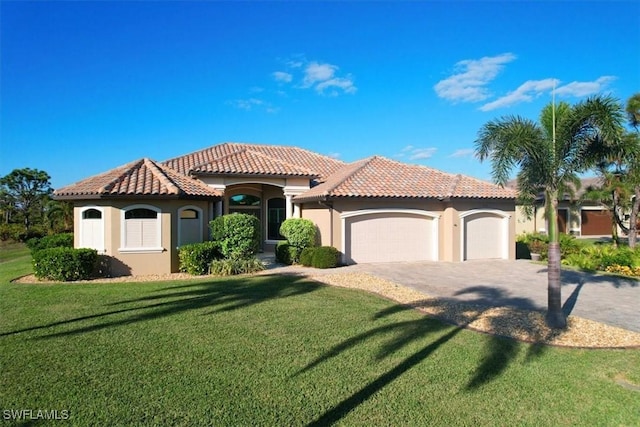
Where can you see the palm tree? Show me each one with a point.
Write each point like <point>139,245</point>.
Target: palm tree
<point>549,156</point>
<point>633,110</point>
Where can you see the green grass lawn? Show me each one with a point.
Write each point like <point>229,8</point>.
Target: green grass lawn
<point>283,351</point>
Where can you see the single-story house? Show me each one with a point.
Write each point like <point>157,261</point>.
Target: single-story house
<point>576,216</point>
<point>372,210</point>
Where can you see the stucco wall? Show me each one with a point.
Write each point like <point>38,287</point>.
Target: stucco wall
<point>141,263</point>
<point>448,213</point>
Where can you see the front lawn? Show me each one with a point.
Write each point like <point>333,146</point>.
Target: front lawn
<point>273,350</point>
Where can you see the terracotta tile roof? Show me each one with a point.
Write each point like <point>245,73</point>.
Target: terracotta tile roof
<point>255,159</point>
<point>143,177</point>
<point>381,177</point>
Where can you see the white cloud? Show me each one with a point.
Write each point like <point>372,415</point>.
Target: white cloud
<point>315,72</point>
<point>416,153</point>
<point>579,89</point>
<point>464,152</point>
<point>526,92</point>
<point>329,86</point>
<point>282,76</point>
<point>471,78</point>
<point>334,155</point>
<point>246,104</point>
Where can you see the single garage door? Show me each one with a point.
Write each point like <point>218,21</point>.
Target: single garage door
<point>389,237</point>
<point>484,236</point>
<point>595,222</point>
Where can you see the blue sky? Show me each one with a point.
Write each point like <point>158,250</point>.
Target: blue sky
<point>88,86</point>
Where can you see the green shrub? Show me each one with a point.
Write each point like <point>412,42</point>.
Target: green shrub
<point>238,235</point>
<point>325,257</point>
<point>622,256</point>
<point>285,253</point>
<point>306,256</point>
<point>62,240</point>
<point>64,264</point>
<point>196,258</point>
<point>300,233</point>
<point>233,266</point>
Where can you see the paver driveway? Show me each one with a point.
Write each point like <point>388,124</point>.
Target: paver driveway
<point>521,284</point>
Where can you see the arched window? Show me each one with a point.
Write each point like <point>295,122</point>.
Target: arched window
<point>276,214</point>
<point>190,225</point>
<point>141,228</point>
<point>92,229</point>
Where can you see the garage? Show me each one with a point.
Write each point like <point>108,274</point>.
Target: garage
<point>595,222</point>
<point>485,235</point>
<point>390,236</point>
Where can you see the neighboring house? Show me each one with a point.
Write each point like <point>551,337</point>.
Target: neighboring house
<point>577,217</point>
<point>371,210</point>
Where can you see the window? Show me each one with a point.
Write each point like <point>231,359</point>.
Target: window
<point>190,225</point>
<point>141,229</point>
<point>244,200</point>
<point>275,217</point>
<point>92,229</point>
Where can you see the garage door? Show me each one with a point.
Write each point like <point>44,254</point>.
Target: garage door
<point>595,223</point>
<point>389,237</point>
<point>484,236</point>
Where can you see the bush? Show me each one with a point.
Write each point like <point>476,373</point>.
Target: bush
<point>325,257</point>
<point>306,256</point>
<point>233,266</point>
<point>62,240</point>
<point>64,264</point>
<point>623,256</point>
<point>18,233</point>
<point>238,235</point>
<point>196,258</point>
<point>300,233</point>
<point>285,253</point>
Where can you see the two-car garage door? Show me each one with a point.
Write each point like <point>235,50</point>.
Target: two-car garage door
<point>390,236</point>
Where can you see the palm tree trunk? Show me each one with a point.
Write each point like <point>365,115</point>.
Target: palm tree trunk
<point>555,317</point>
<point>633,218</point>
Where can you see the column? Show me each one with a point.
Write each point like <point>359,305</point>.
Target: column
<point>288,206</point>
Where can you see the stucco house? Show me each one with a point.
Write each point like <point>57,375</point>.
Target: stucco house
<point>576,216</point>
<point>372,210</point>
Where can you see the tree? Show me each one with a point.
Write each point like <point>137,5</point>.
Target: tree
<point>549,156</point>
<point>633,110</point>
<point>23,194</point>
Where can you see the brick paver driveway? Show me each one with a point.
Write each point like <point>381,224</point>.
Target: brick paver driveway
<point>521,284</point>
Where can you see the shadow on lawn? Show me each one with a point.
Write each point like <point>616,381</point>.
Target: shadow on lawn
<point>497,354</point>
<point>218,296</point>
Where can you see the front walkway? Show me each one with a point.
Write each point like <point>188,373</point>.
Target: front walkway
<point>520,284</point>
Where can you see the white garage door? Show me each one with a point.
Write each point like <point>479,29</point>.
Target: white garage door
<point>484,236</point>
<point>389,237</point>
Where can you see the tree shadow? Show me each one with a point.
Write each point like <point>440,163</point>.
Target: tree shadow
<point>219,296</point>
<point>442,326</point>
<point>569,276</point>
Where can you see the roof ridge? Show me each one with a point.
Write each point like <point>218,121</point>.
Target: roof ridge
<point>125,170</point>
<point>161,175</point>
<point>454,184</point>
<point>364,162</point>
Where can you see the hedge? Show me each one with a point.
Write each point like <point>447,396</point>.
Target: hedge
<point>300,233</point>
<point>285,253</point>
<point>62,240</point>
<point>64,264</point>
<point>325,257</point>
<point>238,235</point>
<point>196,258</point>
<point>306,256</point>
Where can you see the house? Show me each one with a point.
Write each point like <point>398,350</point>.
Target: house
<point>372,210</point>
<point>576,216</point>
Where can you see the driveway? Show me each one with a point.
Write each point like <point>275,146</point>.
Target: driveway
<point>520,284</point>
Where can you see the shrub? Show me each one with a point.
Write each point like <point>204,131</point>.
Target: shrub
<point>238,235</point>
<point>62,240</point>
<point>196,258</point>
<point>306,256</point>
<point>300,233</point>
<point>64,264</point>
<point>622,256</point>
<point>285,253</point>
<point>325,257</point>
<point>233,266</point>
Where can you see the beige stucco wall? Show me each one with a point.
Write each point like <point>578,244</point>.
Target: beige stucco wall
<point>448,213</point>
<point>141,263</point>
